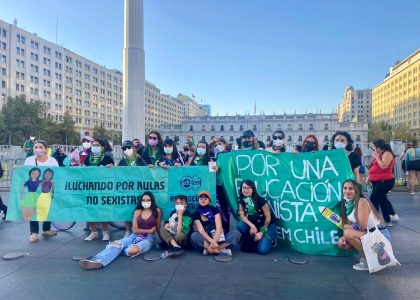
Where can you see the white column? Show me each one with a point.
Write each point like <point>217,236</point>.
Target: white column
<point>133,71</point>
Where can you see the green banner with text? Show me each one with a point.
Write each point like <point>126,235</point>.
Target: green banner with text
<point>100,194</point>
<point>303,190</point>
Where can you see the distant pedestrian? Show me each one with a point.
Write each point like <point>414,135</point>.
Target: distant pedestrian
<point>28,146</point>
<point>412,163</point>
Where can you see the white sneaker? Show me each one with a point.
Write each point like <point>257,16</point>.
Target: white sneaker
<point>90,264</point>
<point>33,238</point>
<point>411,193</point>
<point>105,236</point>
<point>362,265</point>
<point>92,236</point>
<point>395,218</point>
<point>225,251</point>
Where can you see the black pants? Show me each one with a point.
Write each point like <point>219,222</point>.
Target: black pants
<point>34,225</point>
<point>224,207</point>
<point>379,198</point>
<point>3,207</point>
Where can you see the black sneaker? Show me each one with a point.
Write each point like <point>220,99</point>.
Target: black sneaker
<point>175,251</point>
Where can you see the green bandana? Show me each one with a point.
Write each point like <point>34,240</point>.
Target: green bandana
<point>94,160</point>
<point>349,207</point>
<point>154,157</point>
<point>131,161</point>
<point>250,205</point>
<point>199,160</point>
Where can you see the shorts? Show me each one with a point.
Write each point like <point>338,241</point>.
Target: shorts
<point>413,165</point>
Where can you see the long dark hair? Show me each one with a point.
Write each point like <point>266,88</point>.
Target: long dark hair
<point>380,144</point>
<point>153,206</point>
<point>207,155</point>
<point>347,135</point>
<point>160,142</point>
<point>171,142</point>
<point>252,185</point>
<point>357,196</point>
<point>314,138</point>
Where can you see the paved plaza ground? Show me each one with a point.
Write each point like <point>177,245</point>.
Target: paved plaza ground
<point>48,272</point>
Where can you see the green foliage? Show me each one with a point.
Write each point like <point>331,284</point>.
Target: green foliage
<point>403,133</point>
<point>100,132</point>
<point>383,130</point>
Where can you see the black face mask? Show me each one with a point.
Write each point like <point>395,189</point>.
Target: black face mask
<point>247,144</point>
<point>309,146</point>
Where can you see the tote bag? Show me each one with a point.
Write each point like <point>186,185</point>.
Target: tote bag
<point>378,250</point>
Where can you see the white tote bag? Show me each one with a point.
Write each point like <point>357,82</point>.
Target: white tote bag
<point>378,250</point>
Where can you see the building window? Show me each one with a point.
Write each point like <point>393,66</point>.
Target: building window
<point>358,138</point>
<point>212,128</point>
<point>300,127</point>
<point>203,127</point>
<point>326,138</point>
<point>241,127</point>
<point>191,128</point>
<point>203,138</point>
<point>325,126</point>
<point>231,139</point>
<point>222,128</point>
<point>254,127</point>
<point>300,139</point>
<point>231,128</point>
<point>311,126</point>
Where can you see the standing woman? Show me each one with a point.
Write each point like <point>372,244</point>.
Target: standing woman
<point>202,155</point>
<point>257,223</point>
<point>98,159</point>
<point>358,215</point>
<point>154,149</point>
<point>131,158</point>
<point>310,144</point>
<point>382,178</point>
<point>40,159</point>
<point>412,163</point>
<point>343,140</point>
<point>277,144</point>
<point>146,221</point>
<point>171,157</point>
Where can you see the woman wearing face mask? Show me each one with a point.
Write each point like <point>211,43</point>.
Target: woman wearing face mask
<point>310,144</point>
<point>208,235</point>
<point>146,221</point>
<point>382,178</point>
<point>176,231</point>
<point>98,159</point>
<point>277,144</point>
<point>86,144</point>
<point>358,215</point>
<point>131,159</point>
<point>248,141</point>
<point>343,140</point>
<point>257,223</point>
<point>171,158</point>
<point>201,156</point>
<point>185,153</point>
<point>154,149</point>
<point>40,159</point>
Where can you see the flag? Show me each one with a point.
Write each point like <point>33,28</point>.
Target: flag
<point>193,96</point>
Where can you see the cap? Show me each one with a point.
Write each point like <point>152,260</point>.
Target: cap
<point>204,193</point>
<point>248,133</point>
<point>87,138</point>
<point>127,143</point>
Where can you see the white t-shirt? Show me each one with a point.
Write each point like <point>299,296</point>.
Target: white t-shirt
<point>50,162</point>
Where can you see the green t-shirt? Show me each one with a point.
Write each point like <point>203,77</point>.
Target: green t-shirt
<point>28,144</point>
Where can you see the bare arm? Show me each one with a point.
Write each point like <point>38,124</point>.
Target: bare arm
<point>363,213</point>
<point>385,160</point>
<point>201,231</point>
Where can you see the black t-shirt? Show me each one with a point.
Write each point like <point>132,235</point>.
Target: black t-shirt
<point>106,160</point>
<point>207,225</point>
<point>139,162</point>
<point>257,217</point>
<point>354,160</point>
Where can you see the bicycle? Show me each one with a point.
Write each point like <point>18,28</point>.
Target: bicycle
<point>64,226</point>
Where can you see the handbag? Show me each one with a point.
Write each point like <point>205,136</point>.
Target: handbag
<point>378,250</point>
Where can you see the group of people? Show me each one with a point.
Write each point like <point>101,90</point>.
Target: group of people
<point>208,228</point>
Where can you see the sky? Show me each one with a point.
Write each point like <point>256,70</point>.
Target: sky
<point>280,55</point>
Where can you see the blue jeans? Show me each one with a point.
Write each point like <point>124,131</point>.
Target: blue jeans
<point>197,240</point>
<point>111,252</point>
<point>264,245</point>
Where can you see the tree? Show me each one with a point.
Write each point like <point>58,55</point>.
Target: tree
<point>100,132</point>
<point>66,131</point>
<point>380,130</point>
<point>22,118</point>
<point>403,133</point>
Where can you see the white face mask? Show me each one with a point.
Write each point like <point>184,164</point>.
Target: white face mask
<point>179,207</point>
<point>221,148</point>
<point>168,150</point>
<point>87,145</point>
<point>32,138</point>
<point>278,143</point>
<point>339,145</point>
<point>146,204</point>
<point>347,199</point>
<point>128,152</point>
<point>201,151</point>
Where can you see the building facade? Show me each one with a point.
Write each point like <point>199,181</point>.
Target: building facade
<point>65,81</point>
<point>396,100</point>
<point>296,127</point>
<point>356,106</point>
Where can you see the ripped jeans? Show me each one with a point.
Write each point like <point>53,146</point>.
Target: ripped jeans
<point>111,252</point>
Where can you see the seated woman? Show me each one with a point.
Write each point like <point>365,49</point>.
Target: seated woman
<point>257,223</point>
<point>176,231</point>
<point>146,221</point>
<point>357,213</point>
<point>209,235</point>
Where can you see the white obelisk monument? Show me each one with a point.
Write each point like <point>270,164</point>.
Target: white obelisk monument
<point>133,72</point>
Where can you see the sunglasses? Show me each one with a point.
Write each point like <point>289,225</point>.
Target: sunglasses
<point>96,145</point>
<point>277,137</point>
<point>125,148</point>
<point>153,137</point>
<point>203,197</point>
